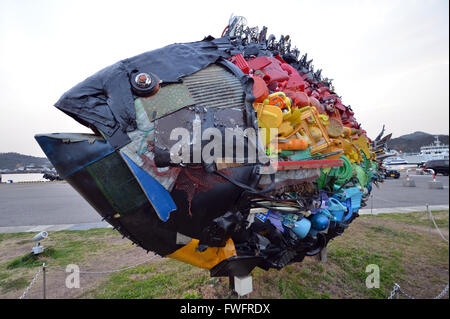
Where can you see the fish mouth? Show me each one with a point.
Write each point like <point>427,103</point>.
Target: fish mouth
<point>99,174</point>
<point>70,152</point>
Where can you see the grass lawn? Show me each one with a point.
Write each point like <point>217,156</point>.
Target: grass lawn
<point>399,244</point>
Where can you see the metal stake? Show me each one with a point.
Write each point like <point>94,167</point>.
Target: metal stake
<point>231,283</point>
<point>371,204</point>
<point>43,277</point>
<point>323,255</point>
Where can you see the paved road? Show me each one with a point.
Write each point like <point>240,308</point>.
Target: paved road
<point>43,204</point>
<point>55,206</point>
<point>392,193</point>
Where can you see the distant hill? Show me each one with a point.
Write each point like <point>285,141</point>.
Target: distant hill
<point>15,160</point>
<point>412,142</point>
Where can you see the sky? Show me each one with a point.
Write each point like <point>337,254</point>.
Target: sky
<point>389,59</point>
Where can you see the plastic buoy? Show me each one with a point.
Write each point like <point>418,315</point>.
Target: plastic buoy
<point>260,90</point>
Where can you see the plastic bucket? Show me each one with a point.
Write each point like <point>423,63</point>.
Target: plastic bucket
<point>301,227</point>
<point>320,220</point>
<point>336,208</point>
<point>355,194</point>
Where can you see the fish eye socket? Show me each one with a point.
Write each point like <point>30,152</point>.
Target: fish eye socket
<point>143,80</point>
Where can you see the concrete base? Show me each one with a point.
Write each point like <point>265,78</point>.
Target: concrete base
<point>37,249</point>
<point>435,185</point>
<point>243,285</point>
<point>409,183</point>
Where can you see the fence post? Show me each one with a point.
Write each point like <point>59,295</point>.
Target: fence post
<point>43,277</point>
<point>323,255</point>
<point>429,220</point>
<point>371,204</point>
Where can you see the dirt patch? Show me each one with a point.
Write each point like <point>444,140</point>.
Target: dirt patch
<point>118,253</point>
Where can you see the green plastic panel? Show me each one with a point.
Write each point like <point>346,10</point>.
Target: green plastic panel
<point>168,99</point>
<point>117,184</point>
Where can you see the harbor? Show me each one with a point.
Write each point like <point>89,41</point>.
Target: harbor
<point>435,151</point>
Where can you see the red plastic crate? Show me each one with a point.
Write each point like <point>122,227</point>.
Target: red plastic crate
<point>240,62</point>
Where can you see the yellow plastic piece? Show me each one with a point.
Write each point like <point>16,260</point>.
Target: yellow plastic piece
<point>347,131</point>
<point>363,144</point>
<point>286,112</point>
<point>335,127</point>
<point>206,259</point>
<point>324,119</point>
<point>305,108</point>
<point>285,129</point>
<point>284,104</point>
<point>316,134</point>
<point>267,135</point>
<point>283,96</point>
<point>351,151</point>
<point>294,117</point>
<point>335,146</point>
<point>269,116</point>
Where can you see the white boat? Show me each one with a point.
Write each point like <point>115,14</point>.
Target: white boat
<point>435,151</point>
<point>392,161</point>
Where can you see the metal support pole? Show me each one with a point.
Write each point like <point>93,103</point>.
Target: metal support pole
<point>323,255</point>
<point>43,277</point>
<point>371,204</point>
<point>429,220</point>
<point>231,283</point>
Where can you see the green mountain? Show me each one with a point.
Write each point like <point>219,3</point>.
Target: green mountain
<point>16,160</point>
<point>412,142</point>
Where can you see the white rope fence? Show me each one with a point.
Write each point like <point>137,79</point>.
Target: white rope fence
<point>397,291</point>
<point>434,222</point>
<point>44,268</point>
<point>118,270</point>
<point>32,282</point>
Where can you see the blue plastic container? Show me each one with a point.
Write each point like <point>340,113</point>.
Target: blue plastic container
<point>336,208</point>
<point>323,200</point>
<point>355,194</point>
<point>300,227</point>
<point>320,221</point>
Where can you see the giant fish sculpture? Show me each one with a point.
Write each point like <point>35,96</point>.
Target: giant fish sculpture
<point>270,166</point>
